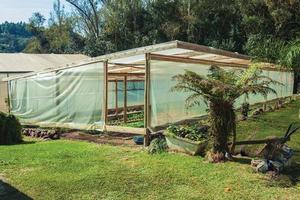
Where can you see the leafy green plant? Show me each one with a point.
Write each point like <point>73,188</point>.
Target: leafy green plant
<point>157,145</point>
<point>245,109</point>
<point>220,89</point>
<point>193,132</point>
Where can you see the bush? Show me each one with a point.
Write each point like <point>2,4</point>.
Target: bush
<point>157,145</point>
<point>10,129</point>
<point>245,110</point>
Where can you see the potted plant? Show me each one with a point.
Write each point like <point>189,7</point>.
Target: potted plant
<point>188,139</point>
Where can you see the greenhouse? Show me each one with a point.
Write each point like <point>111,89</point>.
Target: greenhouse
<point>95,92</point>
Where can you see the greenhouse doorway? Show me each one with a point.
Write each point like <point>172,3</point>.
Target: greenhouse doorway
<point>125,97</point>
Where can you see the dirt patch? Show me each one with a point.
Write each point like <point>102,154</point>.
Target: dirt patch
<point>115,139</point>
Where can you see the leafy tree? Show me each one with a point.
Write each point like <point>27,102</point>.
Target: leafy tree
<point>58,37</point>
<point>290,57</point>
<point>265,48</point>
<point>89,12</point>
<point>220,89</point>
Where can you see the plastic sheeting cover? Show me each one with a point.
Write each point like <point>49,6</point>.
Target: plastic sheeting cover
<point>169,107</point>
<point>67,98</point>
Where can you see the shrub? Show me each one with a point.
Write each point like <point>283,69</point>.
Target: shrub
<point>245,110</point>
<point>157,145</point>
<point>10,129</point>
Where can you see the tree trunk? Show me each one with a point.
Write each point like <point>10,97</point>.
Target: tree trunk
<point>222,124</point>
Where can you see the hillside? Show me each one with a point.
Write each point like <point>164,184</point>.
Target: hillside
<point>13,37</point>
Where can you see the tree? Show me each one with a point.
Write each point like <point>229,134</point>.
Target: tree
<point>290,58</point>
<point>220,89</point>
<point>89,11</point>
<point>39,43</point>
<point>58,37</point>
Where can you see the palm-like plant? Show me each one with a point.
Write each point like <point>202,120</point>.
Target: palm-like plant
<point>219,90</point>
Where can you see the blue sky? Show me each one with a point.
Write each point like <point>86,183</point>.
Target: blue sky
<point>21,10</point>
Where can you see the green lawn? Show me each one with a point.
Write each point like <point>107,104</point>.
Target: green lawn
<point>80,170</point>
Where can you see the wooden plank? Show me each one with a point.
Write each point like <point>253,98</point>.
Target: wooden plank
<point>206,62</point>
<point>128,80</point>
<point>263,141</point>
<point>125,74</point>
<point>125,99</point>
<point>116,97</point>
<point>201,48</point>
<point>105,91</point>
<point>128,108</point>
<point>146,90</point>
<point>194,61</point>
<point>122,129</point>
<point>147,100</point>
<point>8,98</point>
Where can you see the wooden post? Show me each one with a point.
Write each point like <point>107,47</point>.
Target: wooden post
<point>116,97</point>
<point>105,91</point>
<point>8,98</point>
<point>146,99</point>
<point>125,99</point>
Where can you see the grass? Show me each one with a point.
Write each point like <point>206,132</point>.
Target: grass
<point>80,170</point>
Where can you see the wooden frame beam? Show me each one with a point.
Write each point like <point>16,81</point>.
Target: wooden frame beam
<point>205,62</point>
<point>116,98</point>
<point>122,129</point>
<point>105,91</point>
<point>125,74</point>
<point>205,49</point>
<point>8,98</point>
<point>194,61</point>
<point>147,99</point>
<point>125,99</point>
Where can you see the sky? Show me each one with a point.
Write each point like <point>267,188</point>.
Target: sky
<point>21,10</point>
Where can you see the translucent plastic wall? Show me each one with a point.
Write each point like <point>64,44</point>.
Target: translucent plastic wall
<point>135,93</point>
<point>169,107</point>
<point>67,98</point>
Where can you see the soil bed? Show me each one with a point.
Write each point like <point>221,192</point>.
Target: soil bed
<point>115,139</point>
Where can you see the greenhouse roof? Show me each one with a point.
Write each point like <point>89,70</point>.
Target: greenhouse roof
<point>133,61</point>
<point>24,62</point>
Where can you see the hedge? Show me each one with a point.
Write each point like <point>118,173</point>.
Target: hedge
<point>10,129</point>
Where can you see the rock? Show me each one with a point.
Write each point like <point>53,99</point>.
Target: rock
<point>55,136</point>
<point>276,166</point>
<point>255,162</point>
<point>287,151</point>
<point>32,133</point>
<point>263,166</point>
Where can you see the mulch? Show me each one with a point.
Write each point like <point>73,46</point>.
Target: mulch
<point>115,139</point>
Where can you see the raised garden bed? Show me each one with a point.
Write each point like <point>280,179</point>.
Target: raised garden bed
<point>190,140</point>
